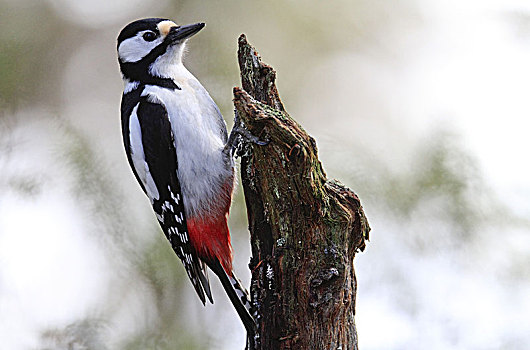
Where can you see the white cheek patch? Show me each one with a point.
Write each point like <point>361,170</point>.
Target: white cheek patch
<point>135,48</point>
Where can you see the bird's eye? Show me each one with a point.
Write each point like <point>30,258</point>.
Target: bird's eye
<point>149,36</point>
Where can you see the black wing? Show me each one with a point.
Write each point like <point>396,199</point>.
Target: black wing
<point>161,158</point>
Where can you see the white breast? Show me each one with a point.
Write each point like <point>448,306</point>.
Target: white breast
<point>203,170</point>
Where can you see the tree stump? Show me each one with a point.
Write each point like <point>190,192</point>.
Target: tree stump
<point>305,229</point>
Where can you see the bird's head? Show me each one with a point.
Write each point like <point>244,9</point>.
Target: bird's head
<point>149,48</point>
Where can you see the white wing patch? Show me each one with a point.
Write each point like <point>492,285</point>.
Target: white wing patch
<point>138,156</point>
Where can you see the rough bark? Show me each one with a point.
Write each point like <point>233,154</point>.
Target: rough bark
<point>305,229</point>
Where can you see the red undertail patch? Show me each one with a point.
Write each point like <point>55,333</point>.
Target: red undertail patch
<point>211,238</point>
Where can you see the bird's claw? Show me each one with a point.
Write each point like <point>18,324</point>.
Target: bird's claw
<point>239,135</point>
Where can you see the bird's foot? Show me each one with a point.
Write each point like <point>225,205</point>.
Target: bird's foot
<point>240,135</point>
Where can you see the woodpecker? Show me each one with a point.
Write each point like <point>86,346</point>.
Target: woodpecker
<point>180,152</point>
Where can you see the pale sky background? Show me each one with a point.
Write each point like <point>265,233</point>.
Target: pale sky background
<point>457,65</point>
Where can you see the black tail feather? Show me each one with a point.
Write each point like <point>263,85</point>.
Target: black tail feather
<point>203,276</point>
<point>240,302</point>
<point>194,271</point>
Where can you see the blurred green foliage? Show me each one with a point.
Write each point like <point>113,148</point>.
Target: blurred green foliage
<point>31,54</point>
<point>441,185</point>
<point>86,334</point>
<point>441,170</point>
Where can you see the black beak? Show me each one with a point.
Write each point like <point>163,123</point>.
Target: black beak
<point>184,32</point>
